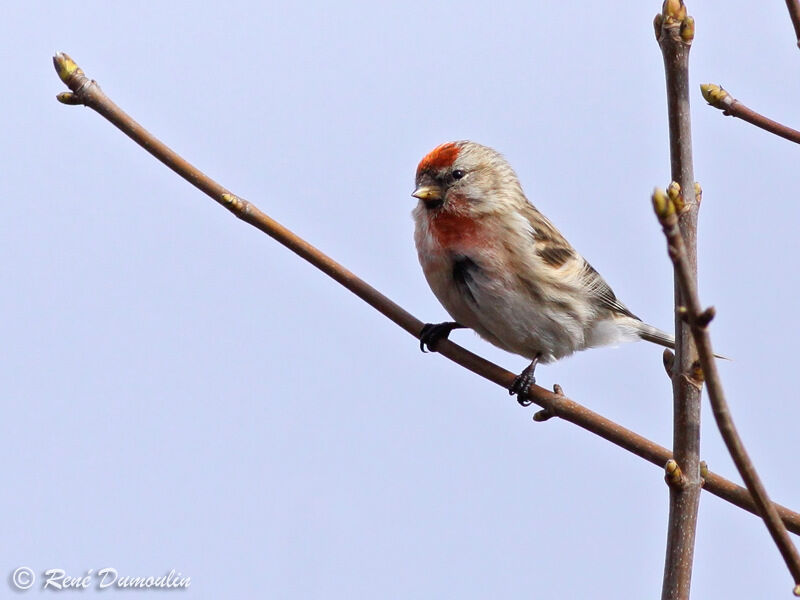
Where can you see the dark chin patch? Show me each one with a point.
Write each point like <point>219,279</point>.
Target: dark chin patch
<point>433,204</point>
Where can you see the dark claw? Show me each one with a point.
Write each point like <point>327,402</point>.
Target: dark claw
<point>433,332</point>
<point>520,388</point>
<point>523,383</point>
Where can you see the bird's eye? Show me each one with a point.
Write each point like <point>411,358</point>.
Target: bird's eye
<point>458,174</point>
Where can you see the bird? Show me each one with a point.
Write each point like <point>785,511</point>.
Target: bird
<point>499,267</point>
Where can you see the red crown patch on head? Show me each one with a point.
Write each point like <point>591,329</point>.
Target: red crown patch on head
<point>440,157</point>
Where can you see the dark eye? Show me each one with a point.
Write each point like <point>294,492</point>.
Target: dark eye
<point>458,174</point>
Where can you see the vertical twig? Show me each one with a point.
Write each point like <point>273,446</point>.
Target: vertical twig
<point>698,320</point>
<point>675,32</point>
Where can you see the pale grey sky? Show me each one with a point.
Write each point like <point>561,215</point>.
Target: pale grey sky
<point>180,392</point>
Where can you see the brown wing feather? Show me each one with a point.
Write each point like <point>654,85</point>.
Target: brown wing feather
<point>555,250</point>
<point>555,256</point>
<point>551,246</point>
<point>600,290</point>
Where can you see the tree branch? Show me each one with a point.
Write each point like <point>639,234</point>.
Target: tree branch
<point>675,32</point>
<point>719,98</point>
<point>794,14</point>
<point>698,320</point>
<point>88,93</point>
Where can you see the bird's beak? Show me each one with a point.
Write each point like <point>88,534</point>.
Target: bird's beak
<point>431,195</point>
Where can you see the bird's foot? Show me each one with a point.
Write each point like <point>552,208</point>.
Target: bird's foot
<point>433,332</point>
<point>523,382</point>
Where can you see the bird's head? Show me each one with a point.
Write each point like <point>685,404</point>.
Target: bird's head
<point>466,177</point>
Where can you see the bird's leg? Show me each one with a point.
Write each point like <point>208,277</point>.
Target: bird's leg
<point>433,332</point>
<point>523,383</point>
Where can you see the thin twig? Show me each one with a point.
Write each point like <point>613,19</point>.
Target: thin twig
<point>698,320</point>
<point>675,32</point>
<point>719,98</point>
<point>794,14</point>
<point>88,93</point>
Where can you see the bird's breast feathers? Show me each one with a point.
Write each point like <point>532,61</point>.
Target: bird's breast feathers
<point>517,288</point>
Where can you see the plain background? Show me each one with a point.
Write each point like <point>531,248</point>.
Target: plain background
<point>180,392</point>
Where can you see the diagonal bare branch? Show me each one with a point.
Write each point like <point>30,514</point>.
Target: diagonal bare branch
<point>87,93</point>
<point>719,98</point>
<point>698,320</point>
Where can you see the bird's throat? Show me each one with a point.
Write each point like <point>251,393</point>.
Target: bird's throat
<point>453,231</point>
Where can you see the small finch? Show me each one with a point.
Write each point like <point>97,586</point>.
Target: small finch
<point>499,267</point>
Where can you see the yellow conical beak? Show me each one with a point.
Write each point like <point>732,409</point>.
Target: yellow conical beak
<point>431,195</point>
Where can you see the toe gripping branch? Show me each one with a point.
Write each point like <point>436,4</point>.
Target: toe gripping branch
<point>523,383</point>
<point>432,333</point>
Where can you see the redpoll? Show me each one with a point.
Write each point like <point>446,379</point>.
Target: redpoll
<point>498,266</point>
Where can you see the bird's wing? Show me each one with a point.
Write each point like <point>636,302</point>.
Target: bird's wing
<point>556,252</point>
<point>550,245</point>
<point>602,292</point>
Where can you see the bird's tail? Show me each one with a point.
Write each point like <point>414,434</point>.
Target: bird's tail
<point>655,335</point>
